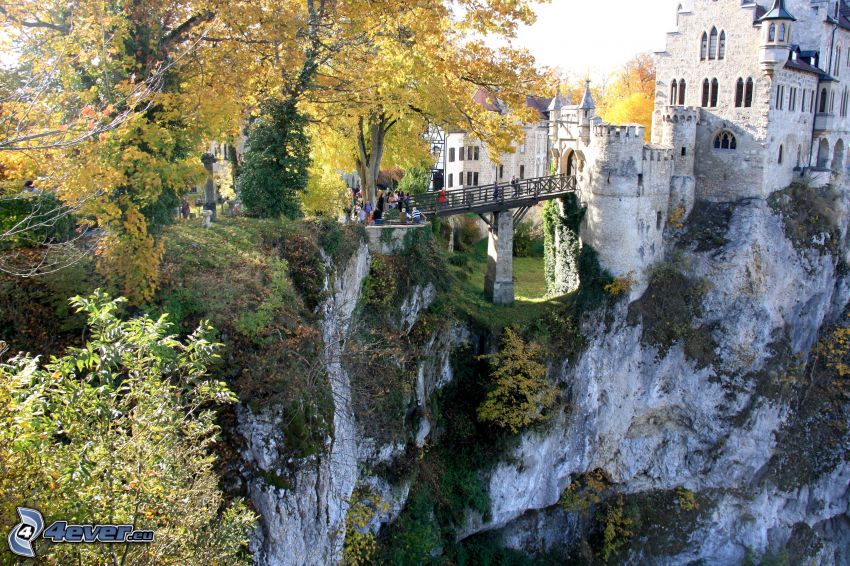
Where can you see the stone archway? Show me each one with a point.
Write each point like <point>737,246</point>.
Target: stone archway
<point>838,157</point>
<point>569,163</point>
<point>823,154</point>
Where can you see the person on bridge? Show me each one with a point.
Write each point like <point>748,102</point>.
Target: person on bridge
<point>441,198</point>
<point>515,185</point>
<point>496,191</point>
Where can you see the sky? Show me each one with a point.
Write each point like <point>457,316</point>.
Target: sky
<point>596,37</point>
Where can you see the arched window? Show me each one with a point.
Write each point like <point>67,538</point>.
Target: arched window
<point>682,92</point>
<point>781,32</point>
<point>703,50</point>
<point>705,93</point>
<point>714,88</point>
<point>823,101</point>
<point>721,47</point>
<point>674,92</point>
<point>748,93</point>
<point>739,93</point>
<point>712,44</point>
<point>780,154</point>
<point>725,140</point>
<point>771,34</point>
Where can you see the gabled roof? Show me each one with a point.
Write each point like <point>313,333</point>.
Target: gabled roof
<point>489,101</point>
<point>778,12</point>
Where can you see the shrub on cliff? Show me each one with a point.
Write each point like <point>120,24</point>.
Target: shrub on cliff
<point>519,395</point>
<point>119,432</point>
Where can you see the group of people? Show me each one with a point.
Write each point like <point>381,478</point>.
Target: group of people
<point>365,213</point>
<point>469,197</point>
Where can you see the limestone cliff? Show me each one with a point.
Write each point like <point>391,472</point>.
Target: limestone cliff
<point>693,390</point>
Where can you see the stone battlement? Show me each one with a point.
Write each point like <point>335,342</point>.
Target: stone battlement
<point>615,132</point>
<point>657,153</point>
<point>677,114</point>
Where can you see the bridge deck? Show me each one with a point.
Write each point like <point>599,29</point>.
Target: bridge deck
<point>495,198</point>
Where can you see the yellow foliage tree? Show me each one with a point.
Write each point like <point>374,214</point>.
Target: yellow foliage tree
<point>630,98</point>
<point>520,394</point>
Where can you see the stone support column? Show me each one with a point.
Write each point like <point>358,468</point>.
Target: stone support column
<point>499,281</point>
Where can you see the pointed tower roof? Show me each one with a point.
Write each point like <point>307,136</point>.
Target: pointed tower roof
<point>587,100</point>
<point>778,12</point>
<point>557,102</point>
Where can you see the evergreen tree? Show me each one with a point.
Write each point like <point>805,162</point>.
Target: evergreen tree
<point>276,162</point>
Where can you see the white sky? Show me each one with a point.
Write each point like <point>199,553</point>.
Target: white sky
<point>597,36</point>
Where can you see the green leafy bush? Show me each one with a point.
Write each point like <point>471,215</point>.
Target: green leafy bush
<point>120,430</point>
<point>276,162</point>
<point>31,220</point>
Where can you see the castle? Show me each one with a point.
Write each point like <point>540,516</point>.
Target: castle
<point>750,96</point>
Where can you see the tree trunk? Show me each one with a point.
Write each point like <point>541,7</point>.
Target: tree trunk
<point>370,151</point>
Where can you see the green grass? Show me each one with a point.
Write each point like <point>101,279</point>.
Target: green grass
<point>530,288</point>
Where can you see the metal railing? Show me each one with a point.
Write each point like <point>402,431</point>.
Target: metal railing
<point>488,198</point>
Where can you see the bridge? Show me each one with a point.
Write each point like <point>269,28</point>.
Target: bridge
<point>500,205</point>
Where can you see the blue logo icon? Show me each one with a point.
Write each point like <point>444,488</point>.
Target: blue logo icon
<point>24,533</point>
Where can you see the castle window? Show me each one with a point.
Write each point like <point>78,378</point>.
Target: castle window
<point>703,51</point>
<point>739,93</point>
<point>837,67</point>
<point>460,153</point>
<point>812,102</point>
<point>832,103</point>
<point>522,172</point>
<point>477,155</point>
<point>705,93</point>
<point>792,104</point>
<point>674,92</point>
<point>714,88</point>
<point>721,49</point>
<point>684,151</point>
<point>451,154</point>
<point>780,154</point>
<point>712,44</point>
<point>475,179</point>
<point>451,180</point>
<point>658,218</point>
<point>780,97</point>
<point>469,178</point>
<point>771,34</point>
<point>682,92</point>
<point>501,171</point>
<point>782,32</point>
<point>748,93</point>
<point>725,140</point>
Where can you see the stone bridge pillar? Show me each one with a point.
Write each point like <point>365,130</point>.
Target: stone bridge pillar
<point>499,281</point>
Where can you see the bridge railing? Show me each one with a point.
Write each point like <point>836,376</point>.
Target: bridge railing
<point>487,196</point>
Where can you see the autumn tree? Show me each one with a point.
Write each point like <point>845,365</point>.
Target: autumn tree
<point>419,63</point>
<point>519,395</point>
<point>630,97</point>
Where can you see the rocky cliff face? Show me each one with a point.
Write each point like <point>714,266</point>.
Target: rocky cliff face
<point>663,397</point>
<point>658,421</point>
<point>304,522</point>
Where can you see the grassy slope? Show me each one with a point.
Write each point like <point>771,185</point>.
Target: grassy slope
<point>530,290</point>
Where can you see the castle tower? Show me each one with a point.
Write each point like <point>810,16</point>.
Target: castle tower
<point>679,131</point>
<point>627,196</point>
<point>586,112</point>
<point>775,37</point>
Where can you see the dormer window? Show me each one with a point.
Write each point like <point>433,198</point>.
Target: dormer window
<point>781,32</point>
<point>771,34</point>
